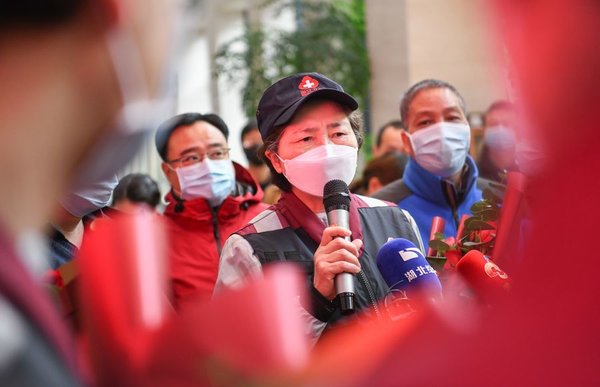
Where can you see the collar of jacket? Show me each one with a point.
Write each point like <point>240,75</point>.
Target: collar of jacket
<point>199,209</point>
<point>298,215</point>
<point>425,184</point>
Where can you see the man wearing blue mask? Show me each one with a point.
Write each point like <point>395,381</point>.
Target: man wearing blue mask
<point>440,178</point>
<point>210,197</point>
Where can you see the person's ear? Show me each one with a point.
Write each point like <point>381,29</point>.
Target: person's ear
<point>407,144</point>
<point>374,185</point>
<point>165,168</point>
<point>170,174</point>
<point>172,177</point>
<point>275,161</point>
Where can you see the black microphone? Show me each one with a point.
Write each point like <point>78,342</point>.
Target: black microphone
<point>336,200</point>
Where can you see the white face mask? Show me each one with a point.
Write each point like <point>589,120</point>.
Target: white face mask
<point>310,171</point>
<point>89,198</point>
<point>530,158</point>
<point>442,148</point>
<point>499,137</point>
<point>212,180</point>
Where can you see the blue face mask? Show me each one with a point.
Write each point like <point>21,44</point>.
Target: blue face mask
<point>212,180</point>
<point>89,198</point>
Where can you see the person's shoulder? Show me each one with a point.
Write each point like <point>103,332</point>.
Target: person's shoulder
<point>267,220</point>
<point>371,202</point>
<point>393,208</point>
<point>394,192</point>
<point>483,183</point>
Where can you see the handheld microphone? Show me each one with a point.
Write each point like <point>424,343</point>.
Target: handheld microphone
<point>484,276</point>
<point>404,268</point>
<point>336,200</point>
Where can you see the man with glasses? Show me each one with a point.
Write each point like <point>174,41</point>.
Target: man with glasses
<point>210,198</point>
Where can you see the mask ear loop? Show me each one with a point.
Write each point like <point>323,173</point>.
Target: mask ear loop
<point>284,164</point>
<point>412,143</point>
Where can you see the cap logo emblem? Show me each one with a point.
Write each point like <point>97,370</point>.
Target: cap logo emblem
<point>307,85</point>
<point>494,271</point>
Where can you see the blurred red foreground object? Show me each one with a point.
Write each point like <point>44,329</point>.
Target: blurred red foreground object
<point>509,227</point>
<point>547,333</point>
<point>124,288</point>
<point>135,339</point>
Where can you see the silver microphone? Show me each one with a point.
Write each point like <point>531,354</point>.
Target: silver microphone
<point>336,200</point>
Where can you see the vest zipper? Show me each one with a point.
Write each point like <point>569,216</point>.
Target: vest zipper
<point>363,279</point>
<point>215,222</point>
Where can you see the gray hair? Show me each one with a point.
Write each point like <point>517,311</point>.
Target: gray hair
<point>426,84</point>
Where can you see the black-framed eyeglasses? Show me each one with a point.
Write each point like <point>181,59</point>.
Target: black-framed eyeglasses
<point>194,158</point>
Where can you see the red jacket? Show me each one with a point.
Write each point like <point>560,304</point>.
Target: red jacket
<point>197,232</point>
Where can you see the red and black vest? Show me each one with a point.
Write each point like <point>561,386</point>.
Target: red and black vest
<point>291,232</point>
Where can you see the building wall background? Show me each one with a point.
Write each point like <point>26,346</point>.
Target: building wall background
<point>452,40</point>
<point>408,40</point>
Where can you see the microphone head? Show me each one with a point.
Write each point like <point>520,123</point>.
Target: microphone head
<point>336,195</point>
<point>404,267</point>
<point>485,277</point>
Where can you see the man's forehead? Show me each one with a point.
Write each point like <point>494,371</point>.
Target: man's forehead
<point>500,114</point>
<point>199,129</point>
<point>435,98</point>
<point>390,132</point>
<point>199,134</point>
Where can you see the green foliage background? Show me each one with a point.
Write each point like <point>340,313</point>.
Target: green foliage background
<point>329,38</point>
